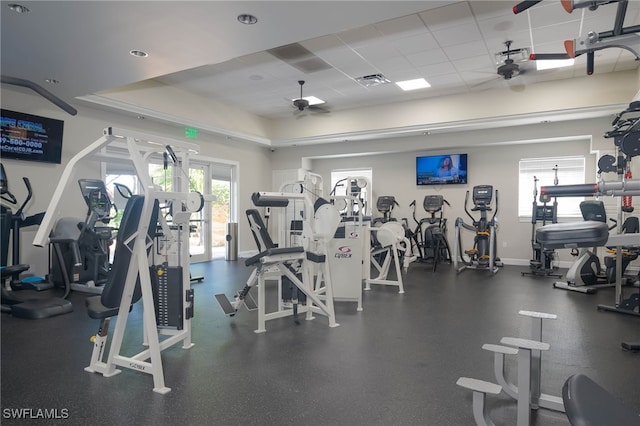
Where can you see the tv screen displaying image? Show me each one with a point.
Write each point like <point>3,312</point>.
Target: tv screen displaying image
<point>30,137</point>
<point>441,169</point>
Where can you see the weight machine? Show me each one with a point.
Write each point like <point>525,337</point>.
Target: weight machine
<point>626,135</point>
<point>542,262</point>
<point>294,265</point>
<point>151,261</point>
<point>483,253</point>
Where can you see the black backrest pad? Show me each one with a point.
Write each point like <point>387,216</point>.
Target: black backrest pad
<point>593,210</point>
<point>112,292</point>
<point>260,234</point>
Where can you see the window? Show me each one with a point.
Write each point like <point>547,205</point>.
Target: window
<point>570,171</point>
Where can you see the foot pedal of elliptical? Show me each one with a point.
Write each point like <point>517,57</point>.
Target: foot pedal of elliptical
<point>250,303</point>
<point>226,306</point>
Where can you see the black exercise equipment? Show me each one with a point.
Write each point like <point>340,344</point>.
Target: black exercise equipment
<point>589,404</point>
<point>430,234</point>
<point>384,205</point>
<point>483,255</point>
<point>10,225</point>
<point>81,249</point>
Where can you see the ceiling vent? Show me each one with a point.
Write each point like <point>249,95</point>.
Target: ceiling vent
<point>373,80</point>
<point>300,58</point>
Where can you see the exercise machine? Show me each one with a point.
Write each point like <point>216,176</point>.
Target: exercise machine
<point>10,225</point>
<point>81,250</point>
<point>586,274</point>
<point>141,261</point>
<point>482,255</point>
<point>302,269</point>
<point>429,237</point>
<point>385,205</point>
<point>542,262</point>
<point>591,41</point>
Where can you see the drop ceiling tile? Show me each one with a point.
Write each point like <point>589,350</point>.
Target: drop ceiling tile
<point>457,14</point>
<point>438,69</point>
<point>483,10</point>
<point>504,26</point>
<point>557,33</point>
<point>482,62</point>
<point>322,44</point>
<point>376,52</point>
<point>406,26</point>
<point>430,57</point>
<point>444,80</point>
<point>457,35</point>
<point>543,15</point>
<point>416,43</point>
<point>394,63</point>
<point>360,36</point>
<point>465,50</point>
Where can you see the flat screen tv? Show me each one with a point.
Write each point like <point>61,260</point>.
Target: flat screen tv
<point>30,137</point>
<point>441,169</point>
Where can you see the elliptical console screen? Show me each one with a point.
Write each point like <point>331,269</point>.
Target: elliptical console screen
<point>30,137</point>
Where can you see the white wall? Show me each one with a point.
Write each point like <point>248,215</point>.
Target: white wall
<point>85,128</point>
<point>493,159</point>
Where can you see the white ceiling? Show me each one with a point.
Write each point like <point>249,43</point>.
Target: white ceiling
<point>198,46</point>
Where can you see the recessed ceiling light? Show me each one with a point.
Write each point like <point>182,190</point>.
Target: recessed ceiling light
<point>18,8</point>
<point>548,64</point>
<point>52,81</point>
<point>138,53</point>
<point>247,19</point>
<point>418,83</point>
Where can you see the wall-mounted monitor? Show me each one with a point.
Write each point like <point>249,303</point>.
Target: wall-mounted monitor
<point>30,137</point>
<point>441,169</point>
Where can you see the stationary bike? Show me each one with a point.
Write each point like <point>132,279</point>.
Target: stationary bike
<point>430,234</point>
<point>483,254</point>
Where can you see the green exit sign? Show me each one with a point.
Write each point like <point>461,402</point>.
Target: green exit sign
<point>190,132</point>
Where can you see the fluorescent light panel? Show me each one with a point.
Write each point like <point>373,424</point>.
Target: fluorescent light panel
<point>418,83</point>
<point>548,64</point>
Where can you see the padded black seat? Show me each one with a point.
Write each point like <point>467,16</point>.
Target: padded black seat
<point>573,234</point>
<point>588,404</point>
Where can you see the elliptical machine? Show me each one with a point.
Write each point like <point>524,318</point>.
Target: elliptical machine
<point>483,254</point>
<point>10,225</point>
<point>82,249</point>
<point>431,242</point>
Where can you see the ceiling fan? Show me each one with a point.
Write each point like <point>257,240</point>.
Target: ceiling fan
<point>510,68</point>
<point>302,104</point>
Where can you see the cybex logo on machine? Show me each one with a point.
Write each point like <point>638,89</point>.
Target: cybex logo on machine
<point>353,235</point>
<point>343,252</point>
